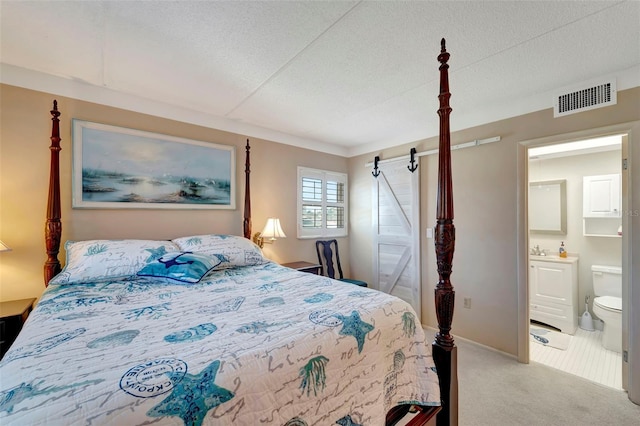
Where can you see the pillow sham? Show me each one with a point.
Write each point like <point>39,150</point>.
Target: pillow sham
<point>186,267</point>
<point>108,260</point>
<point>231,250</point>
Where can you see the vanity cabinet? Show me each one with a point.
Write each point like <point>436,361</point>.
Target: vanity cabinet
<point>553,292</point>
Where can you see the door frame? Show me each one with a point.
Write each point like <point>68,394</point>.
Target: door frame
<point>631,334</point>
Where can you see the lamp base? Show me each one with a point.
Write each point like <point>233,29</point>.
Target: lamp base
<point>257,238</point>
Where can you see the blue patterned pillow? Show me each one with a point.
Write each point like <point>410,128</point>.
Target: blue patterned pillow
<point>231,250</point>
<point>185,267</point>
<point>108,260</point>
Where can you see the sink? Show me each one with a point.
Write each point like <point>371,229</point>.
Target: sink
<point>544,256</point>
<point>553,258</point>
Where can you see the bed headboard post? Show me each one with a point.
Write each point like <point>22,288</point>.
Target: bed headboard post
<point>246,224</point>
<point>53,226</point>
<point>444,350</point>
<point>445,230</point>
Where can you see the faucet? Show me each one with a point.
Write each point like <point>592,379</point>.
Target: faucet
<point>537,252</point>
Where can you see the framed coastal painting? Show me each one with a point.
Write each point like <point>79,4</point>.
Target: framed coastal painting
<point>119,168</point>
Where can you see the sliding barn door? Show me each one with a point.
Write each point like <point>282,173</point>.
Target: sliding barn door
<point>396,232</point>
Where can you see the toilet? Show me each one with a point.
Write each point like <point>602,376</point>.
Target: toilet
<point>607,305</point>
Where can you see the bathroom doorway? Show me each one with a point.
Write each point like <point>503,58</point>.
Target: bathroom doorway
<point>566,239</point>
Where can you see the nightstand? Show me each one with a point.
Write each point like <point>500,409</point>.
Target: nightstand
<point>312,268</point>
<point>13,314</point>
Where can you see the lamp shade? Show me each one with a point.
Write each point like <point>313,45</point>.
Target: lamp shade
<point>272,229</point>
<point>4,247</point>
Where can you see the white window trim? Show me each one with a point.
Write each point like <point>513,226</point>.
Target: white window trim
<point>323,175</point>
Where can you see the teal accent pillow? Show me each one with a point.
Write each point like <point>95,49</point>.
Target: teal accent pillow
<point>186,267</point>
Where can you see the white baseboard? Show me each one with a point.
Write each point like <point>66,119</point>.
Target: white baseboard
<point>433,331</point>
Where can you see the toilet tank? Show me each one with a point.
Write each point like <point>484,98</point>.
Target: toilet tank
<point>607,280</point>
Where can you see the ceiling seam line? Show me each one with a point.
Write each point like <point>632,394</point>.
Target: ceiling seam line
<point>536,37</point>
<point>286,65</point>
<point>103,58</point>
<point>456,70</point>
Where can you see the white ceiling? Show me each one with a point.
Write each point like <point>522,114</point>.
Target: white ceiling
<point>346,77</point>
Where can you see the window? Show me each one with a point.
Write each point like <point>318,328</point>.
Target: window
<point>322,203</point>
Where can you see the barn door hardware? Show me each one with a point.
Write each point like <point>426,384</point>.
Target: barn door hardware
<point>412,162</point>
<point>375,171</point>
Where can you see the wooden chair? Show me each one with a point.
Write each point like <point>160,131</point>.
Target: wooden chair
<point>327,255</point>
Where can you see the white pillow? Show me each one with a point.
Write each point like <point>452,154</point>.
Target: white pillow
<point>231,250</point>
<point>105,260</point>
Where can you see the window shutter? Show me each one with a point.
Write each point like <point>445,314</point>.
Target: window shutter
<point>322,203</point>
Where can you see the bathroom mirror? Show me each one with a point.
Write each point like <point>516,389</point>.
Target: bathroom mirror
<point>548,207</point>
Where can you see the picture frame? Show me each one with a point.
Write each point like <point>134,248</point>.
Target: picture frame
<point>120,168</point>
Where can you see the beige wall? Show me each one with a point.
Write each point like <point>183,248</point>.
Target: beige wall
<point>489,181</point>
<point>25,128</point>
<point>486,183</point>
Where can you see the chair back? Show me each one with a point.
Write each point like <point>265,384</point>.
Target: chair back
<point>328,253</point>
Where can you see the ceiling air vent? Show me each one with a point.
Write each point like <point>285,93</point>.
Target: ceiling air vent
<point>585,98</point>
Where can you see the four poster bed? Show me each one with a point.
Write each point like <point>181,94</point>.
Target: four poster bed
<point>204,330</point>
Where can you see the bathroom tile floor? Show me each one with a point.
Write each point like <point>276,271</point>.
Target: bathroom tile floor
<point>585,357</point>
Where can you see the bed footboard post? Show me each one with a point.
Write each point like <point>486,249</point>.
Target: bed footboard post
<point>444,349</point>
<point>53,226</point>
<point>246,224</point>
<point>446,362</point>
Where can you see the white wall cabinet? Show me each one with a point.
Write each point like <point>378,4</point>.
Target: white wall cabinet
<point>601,205</point>
<point>553,292</point>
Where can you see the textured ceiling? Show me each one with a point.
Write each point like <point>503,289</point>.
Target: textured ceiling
<point>338,76</point>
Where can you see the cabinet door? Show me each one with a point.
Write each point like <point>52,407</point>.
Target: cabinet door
<point>601,196</point>
<point>550,282</point>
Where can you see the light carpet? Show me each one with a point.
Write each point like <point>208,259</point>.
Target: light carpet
<point>550,338</point>
<point>496,390</point>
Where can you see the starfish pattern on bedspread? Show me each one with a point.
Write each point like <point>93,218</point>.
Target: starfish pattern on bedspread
<point>354,326</point>
<point>193,397</point>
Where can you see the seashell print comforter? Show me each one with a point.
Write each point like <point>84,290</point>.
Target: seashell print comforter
<point>255,345</point>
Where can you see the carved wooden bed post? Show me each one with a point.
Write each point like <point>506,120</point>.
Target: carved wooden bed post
<point>444,348</point>
<point>53,226</point>
<point>246,224</point>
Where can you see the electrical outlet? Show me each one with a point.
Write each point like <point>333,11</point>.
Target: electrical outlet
<point>467,302</point>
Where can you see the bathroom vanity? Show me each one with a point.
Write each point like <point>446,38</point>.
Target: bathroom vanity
<point>553,291</point>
